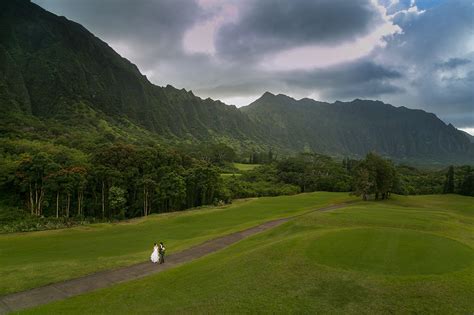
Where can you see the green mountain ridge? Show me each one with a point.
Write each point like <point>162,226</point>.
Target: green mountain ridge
<point>56,76</point>
<point>50,65</point>
<point>357,127</point>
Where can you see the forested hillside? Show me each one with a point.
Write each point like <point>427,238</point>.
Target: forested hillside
<point>59,82</point>
<point>52,68</point>
<point>357,127</point>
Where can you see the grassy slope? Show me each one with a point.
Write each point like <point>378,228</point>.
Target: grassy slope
<point>285,270</point>
<point>32,259</point>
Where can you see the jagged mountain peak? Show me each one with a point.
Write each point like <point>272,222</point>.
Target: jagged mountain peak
<point>357,127</point>
<point>50,67</point>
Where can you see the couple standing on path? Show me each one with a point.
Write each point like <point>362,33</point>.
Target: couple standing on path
<point>158,254</point>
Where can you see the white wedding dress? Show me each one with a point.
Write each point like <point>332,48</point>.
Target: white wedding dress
<point>154,255</point>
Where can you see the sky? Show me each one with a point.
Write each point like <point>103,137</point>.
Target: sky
<point>413,53</point>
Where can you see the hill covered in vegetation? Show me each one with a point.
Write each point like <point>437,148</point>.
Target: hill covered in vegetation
<point>53,68</point>
<point>60,82</point>
<point>357,127</point>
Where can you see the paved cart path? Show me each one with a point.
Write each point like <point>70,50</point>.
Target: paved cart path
<point>62,290</point>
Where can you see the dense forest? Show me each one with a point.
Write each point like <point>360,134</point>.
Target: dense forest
<point>114,181</point>
<point>48,185</point>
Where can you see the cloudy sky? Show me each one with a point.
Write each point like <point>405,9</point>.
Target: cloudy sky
<point>415,53</point>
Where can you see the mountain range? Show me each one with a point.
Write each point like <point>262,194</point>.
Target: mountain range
<point>357,127</point>
<point>52,69</point>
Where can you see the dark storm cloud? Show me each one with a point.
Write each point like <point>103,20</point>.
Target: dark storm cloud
<point>453,63</point>
<point>342,75</point>
<point>148,29</point>
<point>357,79</point>
<point>347,81</point>
<point>450,95</point>
<point>271,25</point>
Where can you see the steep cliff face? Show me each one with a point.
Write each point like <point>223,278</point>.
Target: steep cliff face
<point>354,128</point>
<point>53,69</point>
<point>49,64</point>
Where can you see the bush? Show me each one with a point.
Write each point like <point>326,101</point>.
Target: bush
<point>31,223</point>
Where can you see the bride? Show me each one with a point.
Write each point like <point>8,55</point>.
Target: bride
<point>154,255</point>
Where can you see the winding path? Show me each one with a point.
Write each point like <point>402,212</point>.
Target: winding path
<point>65,289</point>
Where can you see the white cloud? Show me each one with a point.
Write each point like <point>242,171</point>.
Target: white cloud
<point>315,56</point>
<point>468,130</point>
<point>240,101</point>
<point>201,37</point>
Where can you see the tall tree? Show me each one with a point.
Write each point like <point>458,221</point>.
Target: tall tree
<point>149,186</point>
<point>374,175</point>
<point>172,191</point>
<point>32,174</point>
<point>364,181</point>
<point>449,183</point>
<point>467,185</point>
<point>117,200</point>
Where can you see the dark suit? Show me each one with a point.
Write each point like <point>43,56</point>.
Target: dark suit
<point>161,251</point>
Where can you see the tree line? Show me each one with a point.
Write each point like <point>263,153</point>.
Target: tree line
<point>459,180</point>
<point>373,177</point>
<point>308,172</point>
<point>116,181</point>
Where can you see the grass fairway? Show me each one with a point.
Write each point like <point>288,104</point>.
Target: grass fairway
<point>33,259</point>
<point>406,255</point>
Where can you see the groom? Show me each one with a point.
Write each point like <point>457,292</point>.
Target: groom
<point>161,251</point>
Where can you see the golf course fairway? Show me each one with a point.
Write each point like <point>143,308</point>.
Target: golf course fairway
<point>29,260</point>
<point>404,255</point>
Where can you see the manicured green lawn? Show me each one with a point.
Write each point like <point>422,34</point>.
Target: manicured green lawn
<point>33,259</point>
<point>390,251</point>
<point>405,256</point>
<point>245,167</point>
